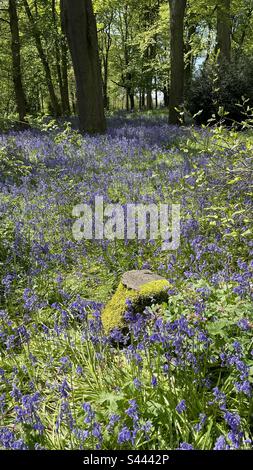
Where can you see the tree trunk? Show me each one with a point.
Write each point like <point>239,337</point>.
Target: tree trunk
<point>190,59</point>
<point>105,83</point>
<point>64,71</point>
<point>132,103</point>
<point>127,100</point>
<point>143,98</point>
<point>166,97</point>
<point>43,58</point>
<point>140,100</point>
<point>156,93</point>
<point>106,43</point>
<point>80,26</point>
<point>21,103</point>
<point>177,13</point>
<point>224,31</point>
<point>65,80</point>
<point>149,100</point>
<point>57,51</point>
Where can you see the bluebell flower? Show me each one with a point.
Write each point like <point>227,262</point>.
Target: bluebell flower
<point>38,446</point>
<point>64,389</point>
<point>244,324</point>
<point>114,419</point>
<point>65,364</point>
<point>220,398</point>
<point>81,434</point>
<point>65,415</point>
<point>97,432</point>
<point>16,393</point>
<point>30,299</point>
<point>146,428</point>
<point>7,282</point>
<point>181,407</point>
<point>124,435</point>
<point>244,387</point>
<point>185,446</point>
<point>235,438</point>
<point>137,383</point>
<point>221,444</point>
<point>90,414</point>
<point>154,381</point>
<point>2,402</point>
<point>117,335</point>
<point>79,370</point>
<point>202,421</point>
<point>202,337</point>
<point>33,359</point>
<point>237,347</point>
<point>132,411</point>
<point>233,420</point>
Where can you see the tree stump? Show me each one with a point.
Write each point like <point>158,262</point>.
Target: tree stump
<point>142,288</point>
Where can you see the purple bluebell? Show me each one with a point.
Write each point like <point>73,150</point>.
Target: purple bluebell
<point>185,446</point>
<point>221,444</point>
<point>181,407</point>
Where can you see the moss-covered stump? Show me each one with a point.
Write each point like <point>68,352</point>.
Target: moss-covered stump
<point>142,288</point>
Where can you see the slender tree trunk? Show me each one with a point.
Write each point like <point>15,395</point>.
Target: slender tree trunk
<point>105,80</point>
<point>64,71</point>
<point>127,100</point>
<point>190,59</point>
<point>149,78</point>
<point>65,80</point>
<point>143,104</point>
<point>105,53</point>
<point>57,51</point>
<point>81,31</point>
<point>43,58</point>
<point>177,13</point>
<point>140,100</point>
<point>149,99</point>
<point>132,101</point>
<point>166,97</point>
<point>224,31</point>
<point>21,103</point>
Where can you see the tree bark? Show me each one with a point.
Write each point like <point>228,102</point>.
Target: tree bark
<point>64,72</point>
<point>224,31</point>
<point>177,13</point>
<point>149,99</point>
<point>166,96</point>
<point>143,99</point>
<point>132,101</point>
<point>105,86</point>
<point>190,60</point>
<point>80,26</point>
<point>57,51</point>
<point>105,60</point>
<point>43,58</point>
<point>21,102</point>
<point>106,43</point>
<point>65,79</point>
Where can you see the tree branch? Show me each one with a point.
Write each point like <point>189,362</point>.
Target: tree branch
<point>4,20</point>
<point>118,84</point>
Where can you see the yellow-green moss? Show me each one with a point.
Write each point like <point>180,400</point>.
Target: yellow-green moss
<point>113,313</point>
<point>154,288</point>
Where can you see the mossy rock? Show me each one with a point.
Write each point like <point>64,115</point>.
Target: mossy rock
<point>143,295</point>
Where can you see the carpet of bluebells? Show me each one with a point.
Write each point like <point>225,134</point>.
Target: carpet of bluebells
<point>181,377</point>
